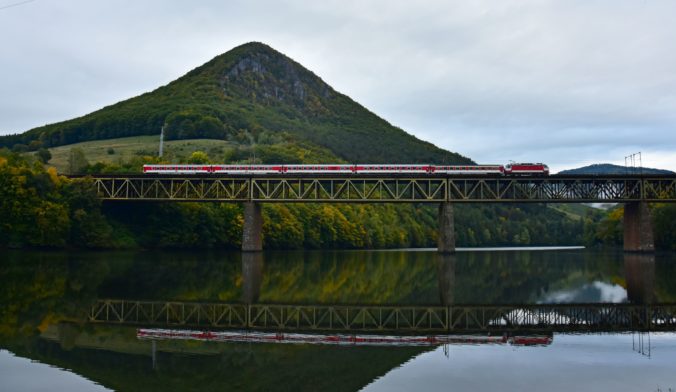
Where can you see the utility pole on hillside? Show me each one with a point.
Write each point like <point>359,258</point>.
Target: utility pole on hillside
<point>161,141</point>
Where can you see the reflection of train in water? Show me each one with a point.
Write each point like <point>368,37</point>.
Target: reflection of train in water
<point>340,339</point>
<point>512,169</point>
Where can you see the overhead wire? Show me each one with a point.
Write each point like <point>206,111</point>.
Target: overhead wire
<point>15,4</point>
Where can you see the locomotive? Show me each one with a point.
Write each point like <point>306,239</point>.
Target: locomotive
<point>512,169</point>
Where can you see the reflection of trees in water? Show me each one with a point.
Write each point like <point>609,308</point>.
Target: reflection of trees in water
<point>45,287</point>
<point>350,277</point>
<point>39,288</point>
<point>524,277</point>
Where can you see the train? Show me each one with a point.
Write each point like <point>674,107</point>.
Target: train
<point>511,169</point>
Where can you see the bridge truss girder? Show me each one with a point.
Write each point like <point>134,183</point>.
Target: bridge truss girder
<point>379,190</point>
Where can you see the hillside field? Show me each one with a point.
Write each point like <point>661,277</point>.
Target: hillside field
<point>123,149</point>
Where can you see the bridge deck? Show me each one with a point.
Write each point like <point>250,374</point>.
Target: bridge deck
<point>380,189</point>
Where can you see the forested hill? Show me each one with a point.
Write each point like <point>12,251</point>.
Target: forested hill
<point>249,91</point>
<point>607,168</point>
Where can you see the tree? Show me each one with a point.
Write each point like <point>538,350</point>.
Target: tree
<point>77,161</point>
<point>198,157</point>
<point>44,155</point>
<point>19,148</point>
<point>35,145</point>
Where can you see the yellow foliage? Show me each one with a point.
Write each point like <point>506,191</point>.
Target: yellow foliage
<point>616,214</point>
<point>54,176</point>
<point>619,280</point>
<point>49,319</point>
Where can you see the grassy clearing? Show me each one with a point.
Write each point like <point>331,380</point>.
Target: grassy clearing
<point>574,211</point>
<point>123,149</point>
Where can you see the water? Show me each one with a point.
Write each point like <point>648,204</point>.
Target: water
<point>45,343</point>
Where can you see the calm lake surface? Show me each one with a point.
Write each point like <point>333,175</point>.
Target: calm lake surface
<point>46,343</point>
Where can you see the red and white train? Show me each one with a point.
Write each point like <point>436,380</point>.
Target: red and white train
<point>512,169</point>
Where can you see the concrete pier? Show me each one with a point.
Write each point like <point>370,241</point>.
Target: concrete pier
<point>446,234</point>
<point>252,231</point>
<point>638,228</point>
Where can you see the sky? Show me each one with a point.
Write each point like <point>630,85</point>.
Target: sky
<point>568,83</point>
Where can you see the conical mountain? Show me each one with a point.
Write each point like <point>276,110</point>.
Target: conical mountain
<point>249,90</point>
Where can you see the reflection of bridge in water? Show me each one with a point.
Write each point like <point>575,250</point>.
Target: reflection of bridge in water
<point>446,317</point>
<point>402,319</point>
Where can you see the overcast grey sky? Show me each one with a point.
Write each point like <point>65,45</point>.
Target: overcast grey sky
<point>564,82</point>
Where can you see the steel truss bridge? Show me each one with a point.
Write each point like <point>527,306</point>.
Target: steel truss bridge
<point>369,189</point>
<point>402,319</point>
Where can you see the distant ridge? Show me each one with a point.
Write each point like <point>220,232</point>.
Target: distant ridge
<point>607,168</point>
<point>249,91</point>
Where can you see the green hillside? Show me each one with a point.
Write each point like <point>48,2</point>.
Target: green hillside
<point>111,151</point>
<point>245,94</point>
<point>127,154</point>
<point>607,168</point>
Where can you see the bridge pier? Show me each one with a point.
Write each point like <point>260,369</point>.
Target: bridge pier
<point>446,233</point>
<point>638,230</point>
<point>252,230</point>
